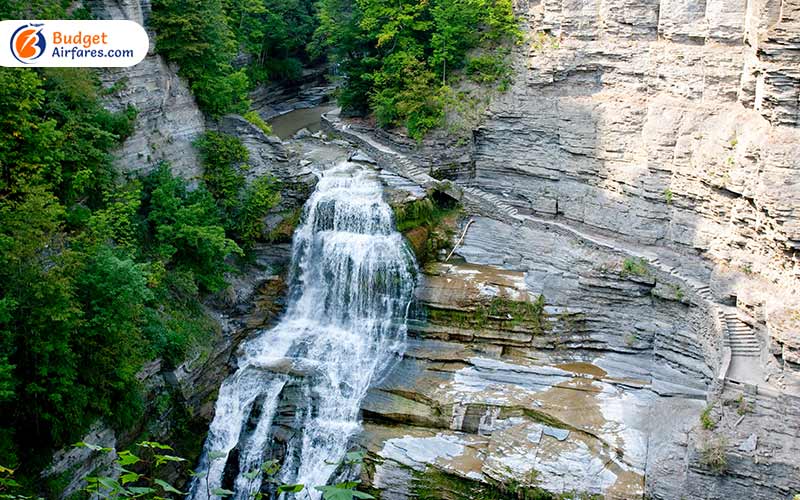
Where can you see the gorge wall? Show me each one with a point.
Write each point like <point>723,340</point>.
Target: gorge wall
<point>664,123</point>
<point>168,119</point>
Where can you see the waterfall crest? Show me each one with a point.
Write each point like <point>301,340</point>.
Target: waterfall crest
<point>351,281</point>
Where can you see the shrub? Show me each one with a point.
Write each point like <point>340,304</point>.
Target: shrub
<point>541,41</point>
<point>635,267</point>
<point>259,122</point>
<point>259,198</point>
<point>195,34</point>
<point>706,420</point>
<point>487,68</point>
<point>188,229</point>
<point>712,454</point>
<point>224,156</point>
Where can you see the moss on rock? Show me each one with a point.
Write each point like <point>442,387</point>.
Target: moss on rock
<point>428,223</point>
<point>500,313</point>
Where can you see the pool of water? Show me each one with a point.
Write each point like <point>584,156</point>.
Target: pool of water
<point>286,125</point>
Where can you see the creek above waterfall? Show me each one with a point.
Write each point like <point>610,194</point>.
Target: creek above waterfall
<point>351,281</point>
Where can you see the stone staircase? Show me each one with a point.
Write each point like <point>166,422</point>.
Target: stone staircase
<point>493,201</point>
<point>740,337</point>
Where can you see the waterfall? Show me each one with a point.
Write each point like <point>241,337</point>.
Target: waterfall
<point>350,284</point>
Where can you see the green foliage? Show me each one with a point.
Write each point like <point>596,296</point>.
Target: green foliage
<point>405,93</point>
<point>520,312</point>
<point>258,199</point>
<point>706,420</point>
<point>113,293</point>
<point>187,229</point>
<point>634,267</point>
<point>678,291</point>
<point>542,41</point>
<point>284,231</point>
<point>195,34</point>
<point>259,122</point>
<point>488,68</point>
<point>205,36</point>
<point>500,312</point>
<point>668,196</point>
<point>397,57</point>
<point>55,132</point>
<point>224,157</point>
<point>96,277</point>
<point>54,143</point>
<point>427,223</point>
<point>433,484</point>
<point>9,487</point>
<point>274,33</point>
<point>244,207</point>
<point>417,213</point>
<point>137,474</point>
<point>743,407</point>
<point>342,491</point>
<point>712,454</point>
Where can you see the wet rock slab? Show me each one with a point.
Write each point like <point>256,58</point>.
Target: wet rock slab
<point>563,426</point>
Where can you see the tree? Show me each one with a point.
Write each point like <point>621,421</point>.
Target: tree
<point>397,56</point>
<point>258,199</point>
<point>187,229</point>
<point>113,294</point>
<point>223,156</point>
<point>29,142</point>
<point>275,33</point>
<point>195,34</point>
<point>454,33</point>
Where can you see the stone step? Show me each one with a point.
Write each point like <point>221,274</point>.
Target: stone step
<point>737,324</point>
<point>742,336</point>
<point>745,354</point>
<point>745,347</point>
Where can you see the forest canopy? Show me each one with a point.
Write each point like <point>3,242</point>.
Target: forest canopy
<point>397,60</point>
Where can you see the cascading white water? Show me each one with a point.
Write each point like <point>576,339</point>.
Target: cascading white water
<point>350,286</point>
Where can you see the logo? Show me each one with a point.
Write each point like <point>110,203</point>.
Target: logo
<point>72,43</point>
<point>28,43</point>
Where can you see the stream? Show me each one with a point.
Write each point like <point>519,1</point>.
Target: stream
<point>350,284</point>
<point>288,124</point>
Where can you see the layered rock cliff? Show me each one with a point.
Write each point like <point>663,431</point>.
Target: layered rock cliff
<point>663,123</point>
<point>168,119</point>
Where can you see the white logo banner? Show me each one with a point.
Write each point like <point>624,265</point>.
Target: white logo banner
<point>72,43</point>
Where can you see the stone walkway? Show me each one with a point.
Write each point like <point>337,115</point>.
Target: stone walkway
<point>741,348</point>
